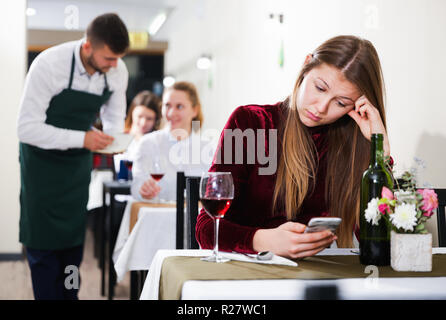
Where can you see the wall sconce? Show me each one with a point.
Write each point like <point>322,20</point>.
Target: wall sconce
<point>168,81</point>
<point>273,24</point>
<point>30,12</point>
<point>204,62</point>
<point>276,16</point>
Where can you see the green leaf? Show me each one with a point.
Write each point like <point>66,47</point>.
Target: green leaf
<point>419,213</point>
<point>419,227</point>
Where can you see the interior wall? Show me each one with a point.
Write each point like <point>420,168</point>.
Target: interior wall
<point>13,66</point>
<point>245,46</point>
<point>408,35</point>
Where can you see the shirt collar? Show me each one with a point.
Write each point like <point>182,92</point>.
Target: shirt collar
<point>77,58</point>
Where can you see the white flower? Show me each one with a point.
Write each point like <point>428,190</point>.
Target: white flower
<point>405,216</point>
<point>372,214</point>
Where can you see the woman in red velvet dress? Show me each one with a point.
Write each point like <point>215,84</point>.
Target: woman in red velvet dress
<point>319,137</point>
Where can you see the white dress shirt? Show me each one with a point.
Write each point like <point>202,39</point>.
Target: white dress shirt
<point>49,74</point>
<point>192,155</point>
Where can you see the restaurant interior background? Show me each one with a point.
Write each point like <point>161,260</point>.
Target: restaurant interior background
<point>254,50</point>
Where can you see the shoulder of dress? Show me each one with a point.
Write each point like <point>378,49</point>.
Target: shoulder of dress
<point>254,115</point>
<point>261,110</point>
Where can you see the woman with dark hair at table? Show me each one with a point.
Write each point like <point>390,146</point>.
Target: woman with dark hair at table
<point>143,116</point>
<point>323,147</point>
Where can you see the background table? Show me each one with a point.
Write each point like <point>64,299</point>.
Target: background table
<point>155,229</point>
<point>346,288</point>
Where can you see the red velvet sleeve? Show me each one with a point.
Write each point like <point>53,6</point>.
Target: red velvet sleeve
<point>235,231</point>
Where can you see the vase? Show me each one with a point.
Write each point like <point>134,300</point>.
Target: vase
<point>411,252</point>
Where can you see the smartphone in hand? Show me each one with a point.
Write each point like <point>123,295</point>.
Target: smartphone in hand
<point>323,223</point>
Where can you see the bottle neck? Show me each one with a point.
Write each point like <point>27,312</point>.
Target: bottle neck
<point>377,150</point>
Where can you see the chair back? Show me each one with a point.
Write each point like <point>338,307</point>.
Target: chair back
<point>192,186</point>
<point>441,218</point>
<point>181,185</point>
<point>192,199</point>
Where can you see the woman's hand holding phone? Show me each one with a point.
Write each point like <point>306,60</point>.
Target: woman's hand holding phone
<point>289,240</point>
<point>367,116</point>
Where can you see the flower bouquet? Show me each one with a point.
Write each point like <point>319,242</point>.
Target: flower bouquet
<point>406,211</point>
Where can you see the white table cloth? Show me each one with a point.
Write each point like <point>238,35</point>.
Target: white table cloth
<point>98,177</point>
<point>155,229</point>
<point>368,288</point>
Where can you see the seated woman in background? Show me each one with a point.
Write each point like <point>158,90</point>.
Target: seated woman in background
<point>177,147</point>
<point>144,116</point>
<point>323,147</point>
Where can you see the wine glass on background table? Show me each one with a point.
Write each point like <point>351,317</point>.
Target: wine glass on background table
<point>129,165</point>
<point>157,172</point>
<point>216,194</point>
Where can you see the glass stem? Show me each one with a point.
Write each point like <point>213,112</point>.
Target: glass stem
<point>216,227</point>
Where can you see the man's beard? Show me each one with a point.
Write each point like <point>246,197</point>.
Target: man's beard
<point>92,63</point>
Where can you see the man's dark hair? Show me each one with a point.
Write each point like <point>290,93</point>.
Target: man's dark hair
<point>110,30</point>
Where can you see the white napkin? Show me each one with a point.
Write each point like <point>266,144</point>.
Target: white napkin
<point>252,258</point>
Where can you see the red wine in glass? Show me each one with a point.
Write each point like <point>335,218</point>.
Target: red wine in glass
<point>157,176</point>
<point>216,207</point>
<point>128,164</point>
<point>216,194</point>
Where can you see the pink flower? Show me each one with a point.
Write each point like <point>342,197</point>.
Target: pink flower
<point>428,214</point>
<point>384,208</point>
<point>386,193</point>
<point>430,201</point>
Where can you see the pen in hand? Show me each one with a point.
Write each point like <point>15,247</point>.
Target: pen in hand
<point>96,140</point>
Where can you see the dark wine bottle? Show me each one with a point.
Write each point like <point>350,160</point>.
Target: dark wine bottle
<point>374,241</point>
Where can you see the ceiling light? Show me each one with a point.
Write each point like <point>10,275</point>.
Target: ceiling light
<point>204,62</point>
<point>157,23</point>
<point>30,12</point>
<point>168,81</point>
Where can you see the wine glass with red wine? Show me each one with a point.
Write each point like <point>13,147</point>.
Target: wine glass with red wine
<point>129,165</point>
<point>216,194</point>
<point>157,171</point>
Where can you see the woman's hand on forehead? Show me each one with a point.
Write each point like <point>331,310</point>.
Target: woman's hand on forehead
<point>368,118</point>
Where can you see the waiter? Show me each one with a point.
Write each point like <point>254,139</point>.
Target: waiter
<point>66,87</point>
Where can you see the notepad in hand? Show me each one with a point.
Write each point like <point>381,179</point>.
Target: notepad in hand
<point>119,145</point>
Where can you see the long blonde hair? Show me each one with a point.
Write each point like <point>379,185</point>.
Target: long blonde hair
<point>348,150</point>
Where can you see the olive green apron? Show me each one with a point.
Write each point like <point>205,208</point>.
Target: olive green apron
<point>55,183</point>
